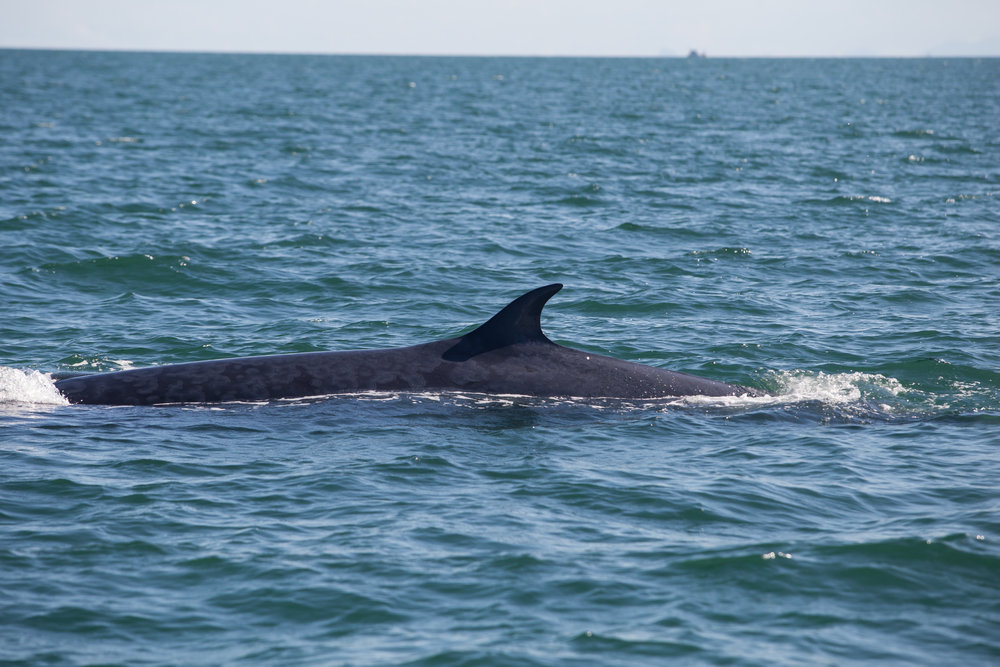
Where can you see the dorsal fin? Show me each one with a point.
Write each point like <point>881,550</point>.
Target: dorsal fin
<point>518,322</point>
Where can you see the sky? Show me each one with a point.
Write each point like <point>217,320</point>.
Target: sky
<point>511,27</point>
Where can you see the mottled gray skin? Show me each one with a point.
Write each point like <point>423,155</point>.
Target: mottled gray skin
<point>507,355</point>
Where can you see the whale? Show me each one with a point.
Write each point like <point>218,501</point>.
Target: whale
<point>508,355</point>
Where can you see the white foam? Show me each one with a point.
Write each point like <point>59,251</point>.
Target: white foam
<point>31,387</point>
<point>808,386</point>
<point>842,390</point>
<point>836,388</point>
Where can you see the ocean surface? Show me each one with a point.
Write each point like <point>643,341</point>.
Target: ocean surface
<point>827,230</point>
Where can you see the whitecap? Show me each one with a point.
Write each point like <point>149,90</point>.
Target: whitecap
<point>30,387</point>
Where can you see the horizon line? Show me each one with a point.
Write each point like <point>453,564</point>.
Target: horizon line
<point>664,56</point>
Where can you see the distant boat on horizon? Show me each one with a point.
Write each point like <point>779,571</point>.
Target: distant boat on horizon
<point>693,53</point>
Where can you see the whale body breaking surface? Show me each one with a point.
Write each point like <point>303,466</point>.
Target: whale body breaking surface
<point>508,354</point>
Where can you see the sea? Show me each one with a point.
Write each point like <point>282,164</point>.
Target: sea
<point>827,230</point>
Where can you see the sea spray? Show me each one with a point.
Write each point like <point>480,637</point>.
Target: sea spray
<point>31,387</point>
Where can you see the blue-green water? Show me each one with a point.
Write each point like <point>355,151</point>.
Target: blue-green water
<point>826,229</point>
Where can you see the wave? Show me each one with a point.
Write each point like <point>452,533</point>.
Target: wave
<point>849,396</point>
<point>28,387</point>
<point>849,200</point>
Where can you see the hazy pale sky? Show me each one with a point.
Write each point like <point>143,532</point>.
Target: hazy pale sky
<point>512,27</point>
